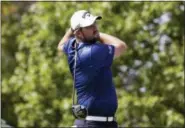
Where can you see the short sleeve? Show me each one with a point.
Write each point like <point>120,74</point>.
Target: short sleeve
<point>67,45</point>
<point>102,55</point>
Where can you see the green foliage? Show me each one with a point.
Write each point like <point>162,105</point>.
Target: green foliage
<point>37,85</point>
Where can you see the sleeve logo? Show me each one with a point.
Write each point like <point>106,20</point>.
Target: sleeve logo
<point>110,49</point>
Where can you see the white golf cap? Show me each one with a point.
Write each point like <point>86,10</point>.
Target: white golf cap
<point>82,19</point>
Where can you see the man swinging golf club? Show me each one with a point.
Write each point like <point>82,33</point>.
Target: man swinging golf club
<point>90,55</point>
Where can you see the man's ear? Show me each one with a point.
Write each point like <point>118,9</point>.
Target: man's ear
<point>78,33</point>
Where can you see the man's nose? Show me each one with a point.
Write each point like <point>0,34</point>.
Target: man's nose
<point>95,27</point>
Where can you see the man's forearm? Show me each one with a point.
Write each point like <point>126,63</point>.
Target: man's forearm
<point>111,40</point>
<point>66,37</point>
<point>120,46</point>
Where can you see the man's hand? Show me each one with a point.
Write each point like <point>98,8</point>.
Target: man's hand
<point>66,37</point>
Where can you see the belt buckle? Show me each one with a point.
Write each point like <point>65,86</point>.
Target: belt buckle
<point>109,119</point>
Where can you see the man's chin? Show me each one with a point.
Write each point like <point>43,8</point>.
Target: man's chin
<point>92,41</point>
<point>97,36</point>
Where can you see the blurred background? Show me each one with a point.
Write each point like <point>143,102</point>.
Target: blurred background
<point>149,78</point>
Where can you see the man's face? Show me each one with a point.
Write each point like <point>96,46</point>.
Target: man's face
<point>90,33</point>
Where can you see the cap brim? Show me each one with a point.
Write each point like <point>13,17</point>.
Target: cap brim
<point>98,17</point>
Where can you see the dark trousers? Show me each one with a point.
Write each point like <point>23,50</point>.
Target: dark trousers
<point>95,124</point>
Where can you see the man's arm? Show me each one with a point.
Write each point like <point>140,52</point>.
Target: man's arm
<point>66,37</point>
<point>119,45</point>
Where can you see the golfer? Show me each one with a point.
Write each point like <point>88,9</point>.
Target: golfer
<point>93,78</point>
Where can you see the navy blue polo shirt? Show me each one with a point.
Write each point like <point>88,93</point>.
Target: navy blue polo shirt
<point>93,82</point>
